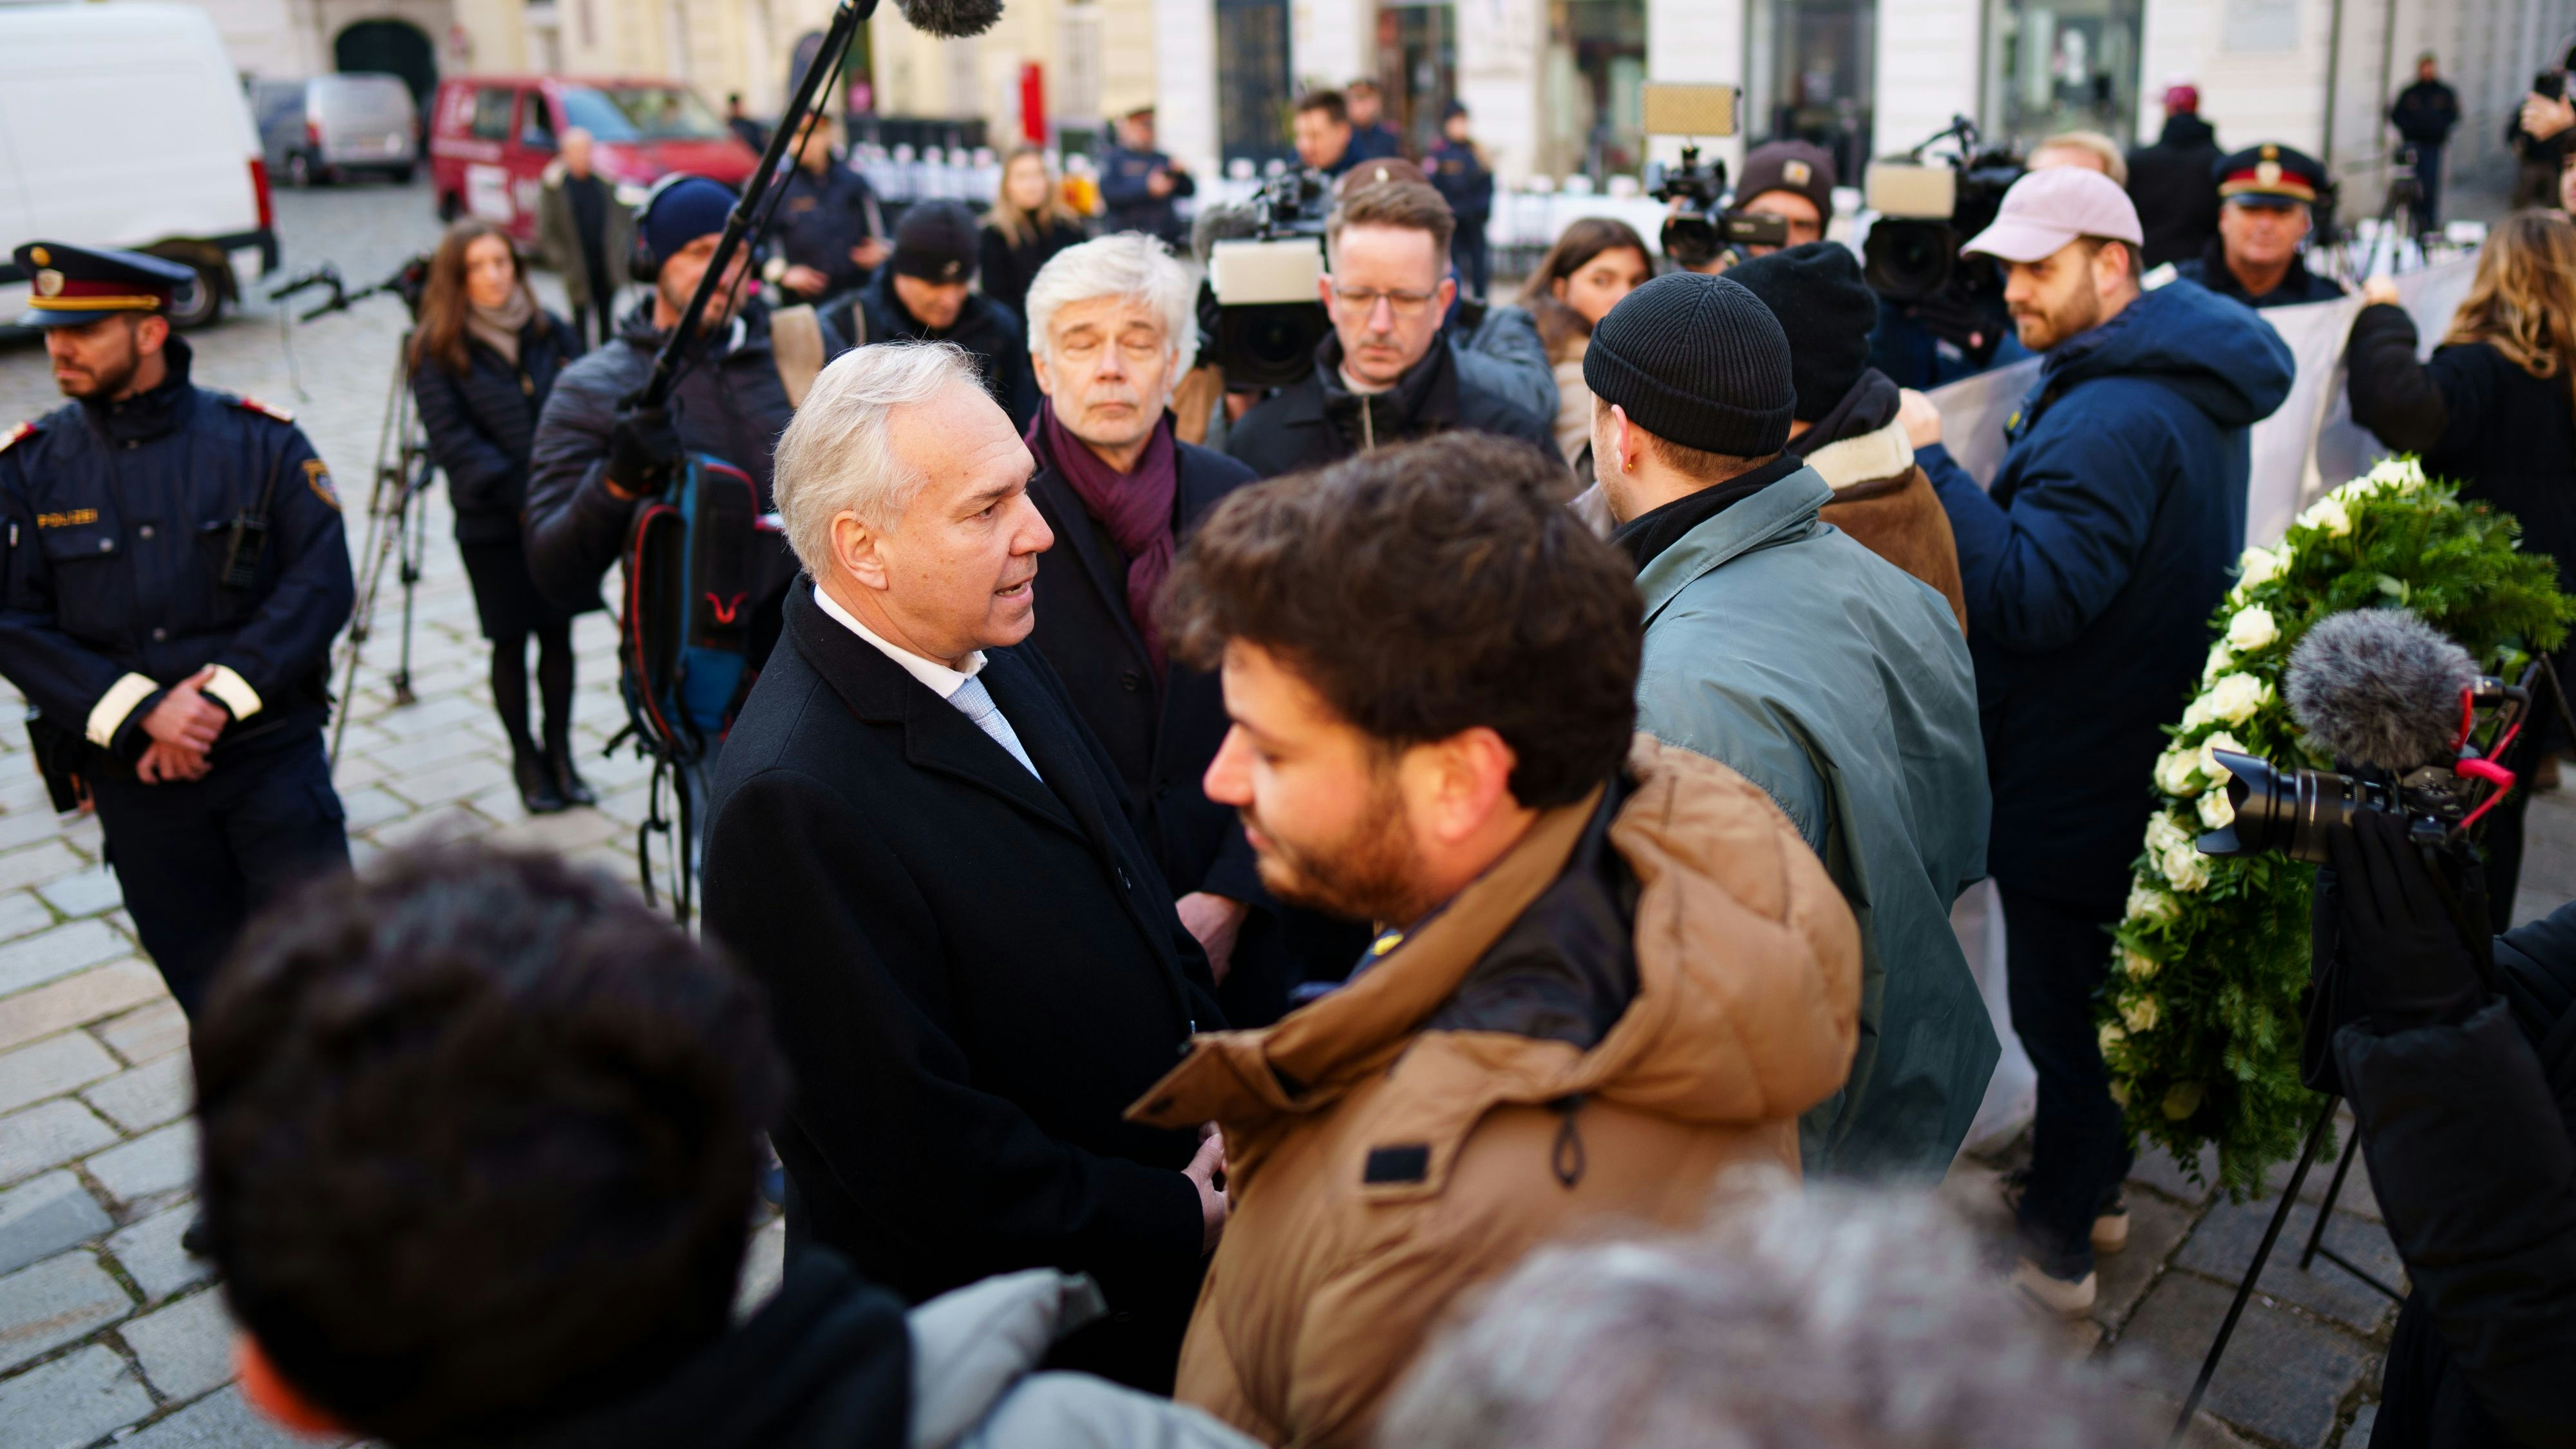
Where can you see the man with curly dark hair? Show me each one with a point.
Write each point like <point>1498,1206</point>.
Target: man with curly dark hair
<point>1606,969</point>
<point>480,1134</point>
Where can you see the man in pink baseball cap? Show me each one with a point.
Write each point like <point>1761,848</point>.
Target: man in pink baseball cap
<point>2089,571</point>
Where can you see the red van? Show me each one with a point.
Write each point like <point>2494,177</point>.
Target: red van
<point>492,136</point>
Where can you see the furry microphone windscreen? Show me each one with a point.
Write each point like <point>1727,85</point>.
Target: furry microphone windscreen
<point>2379,687</point>
<point>951,18</point>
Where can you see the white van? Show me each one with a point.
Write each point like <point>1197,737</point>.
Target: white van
<point>333,127</point>
<point>124,125</point>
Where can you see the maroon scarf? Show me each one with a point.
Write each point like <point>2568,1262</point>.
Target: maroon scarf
<point>1135,507</point>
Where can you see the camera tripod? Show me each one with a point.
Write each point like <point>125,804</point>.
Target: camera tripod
<point>396,533</point>
<point>398,489</point>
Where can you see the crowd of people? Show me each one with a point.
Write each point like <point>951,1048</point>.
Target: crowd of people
<point>1407,907</point>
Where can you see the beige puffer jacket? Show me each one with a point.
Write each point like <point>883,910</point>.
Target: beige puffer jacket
<point>1378,1168</point>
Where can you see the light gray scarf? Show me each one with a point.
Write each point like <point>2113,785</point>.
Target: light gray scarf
<point>498,327</point>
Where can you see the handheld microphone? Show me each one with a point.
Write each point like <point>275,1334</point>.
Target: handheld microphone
<point>2380,688</point>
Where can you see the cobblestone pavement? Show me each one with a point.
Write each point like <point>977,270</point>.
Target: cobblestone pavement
<point>108,1332</point>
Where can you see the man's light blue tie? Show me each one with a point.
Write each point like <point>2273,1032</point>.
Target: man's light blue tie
<point>975,702</point>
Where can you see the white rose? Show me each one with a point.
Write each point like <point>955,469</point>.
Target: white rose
<point>2111,1036</point>
<point>2138,965</point>
<point>2219,664</point>
<point>2185,868</point>
<point>2140,1012</point>
<point>2359,488</point>
<point>2212,771</point>
<point>2153,906</point>
<point>2215,812</point>
<point>2199,712</point>
<point>2236,697</point>
<point>2257,567</point>
<point>2251,629</point>
<point>2178,771</point>
<point>2403,474</point>
<point>2327,513</point>
<point>2163,835</point>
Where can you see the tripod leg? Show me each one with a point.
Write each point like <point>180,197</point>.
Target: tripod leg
<point>412,526</point>
<point>2253,1272</point>
<point>2325,1210</point>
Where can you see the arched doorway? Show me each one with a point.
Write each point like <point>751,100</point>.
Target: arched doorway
<point>396,46</point>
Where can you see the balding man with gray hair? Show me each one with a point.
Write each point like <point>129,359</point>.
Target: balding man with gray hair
<point>914,842</point>
<point>1113,326</point>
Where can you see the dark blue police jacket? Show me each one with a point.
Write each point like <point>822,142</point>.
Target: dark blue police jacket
<point>1127,197</point>
<point>117,520</point>
<point>820,219</point>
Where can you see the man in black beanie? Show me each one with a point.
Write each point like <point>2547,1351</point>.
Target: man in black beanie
<point>1845,423</point>
<point>1819,671</point>
<point>923,293</point>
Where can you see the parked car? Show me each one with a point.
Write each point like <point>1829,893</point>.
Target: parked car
<point>492,137</point>
<point>125,126</point>
<point>336,126</point>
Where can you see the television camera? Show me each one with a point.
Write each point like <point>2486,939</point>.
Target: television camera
<point>1929,204</point>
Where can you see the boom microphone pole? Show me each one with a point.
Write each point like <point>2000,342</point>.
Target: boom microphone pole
<point>946,18</point>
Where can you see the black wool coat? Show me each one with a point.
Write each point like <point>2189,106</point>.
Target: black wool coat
<point>2479,419</point>
<point>1160,737</point>
<point>2469,1130</point>
<point>1008,267</point>
<point>973,975</point>
<point>482,424</point>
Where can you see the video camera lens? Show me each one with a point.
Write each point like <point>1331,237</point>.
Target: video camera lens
<point>1908,260</point>
<point>1690,239</point>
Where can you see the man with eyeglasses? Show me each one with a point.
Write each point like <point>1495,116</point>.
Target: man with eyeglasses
<point>1382,377</point>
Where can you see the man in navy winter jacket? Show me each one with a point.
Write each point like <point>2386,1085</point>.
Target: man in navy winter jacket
<point>2090,571</point>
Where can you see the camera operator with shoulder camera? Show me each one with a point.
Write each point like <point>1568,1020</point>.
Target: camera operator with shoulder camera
<point>2457,1050</point>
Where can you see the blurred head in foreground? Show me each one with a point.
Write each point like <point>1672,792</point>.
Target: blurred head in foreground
<point>480,1144</point>
<point>1829,1318</point>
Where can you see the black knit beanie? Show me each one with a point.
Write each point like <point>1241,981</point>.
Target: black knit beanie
<point>936,241</point>
<point>1696,360</point>
<point>1828,313</point>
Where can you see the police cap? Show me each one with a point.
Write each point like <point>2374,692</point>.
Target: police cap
<point>75,286</point>
<point>2270,175</point>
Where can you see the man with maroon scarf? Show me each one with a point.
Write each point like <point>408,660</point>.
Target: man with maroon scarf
<point>1112,327</point>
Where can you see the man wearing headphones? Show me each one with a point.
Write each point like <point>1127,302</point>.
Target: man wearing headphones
<point>596,456</point>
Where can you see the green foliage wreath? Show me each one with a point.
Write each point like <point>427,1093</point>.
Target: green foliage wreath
<point>2200,1018</point>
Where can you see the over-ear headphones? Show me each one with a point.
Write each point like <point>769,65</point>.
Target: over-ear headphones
<point>642,262</point>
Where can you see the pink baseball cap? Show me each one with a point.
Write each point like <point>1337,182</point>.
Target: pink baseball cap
<point>2047,209</point>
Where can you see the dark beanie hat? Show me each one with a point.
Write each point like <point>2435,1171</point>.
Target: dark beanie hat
<point>1696,360</point>
<point>1800,166</point>
<point>687,209</point>
<point>936,242</point>
<point>1827,311</point>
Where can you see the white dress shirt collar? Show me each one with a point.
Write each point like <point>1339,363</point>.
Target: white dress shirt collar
<point>937,677</point>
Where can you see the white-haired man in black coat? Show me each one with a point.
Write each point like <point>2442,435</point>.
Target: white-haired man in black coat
<point>916,844</point>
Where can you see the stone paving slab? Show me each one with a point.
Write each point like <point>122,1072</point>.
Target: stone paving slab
<point>55,1302</point>
<point>185,1349</point>
<point>71,1401</point>
<point>2228,1237</point>
<point>45,1215</point>
<point>150,1254</point>
<point>147,1096</point>
<point>2284,1379</point>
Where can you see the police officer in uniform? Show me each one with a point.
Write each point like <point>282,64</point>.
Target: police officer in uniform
<point>175,574</point>
<point>830,229</point>
<point>1139,185</point>
<point>1456,168</point>
<point>2264,194</point>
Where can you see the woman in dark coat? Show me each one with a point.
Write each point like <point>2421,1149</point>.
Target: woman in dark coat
<point>483,358</point>
<point>1029,224</point>
<point>2495,412</point>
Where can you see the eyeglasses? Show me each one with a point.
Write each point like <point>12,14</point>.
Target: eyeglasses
<point>1364,300</point>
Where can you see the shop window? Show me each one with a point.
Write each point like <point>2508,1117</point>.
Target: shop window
<point>2069,65</point>
<point>1811,76</point>
<point>1253,119</point>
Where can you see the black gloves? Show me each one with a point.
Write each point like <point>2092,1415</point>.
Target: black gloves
<point>643,448</point>
<point>2407,960</point>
